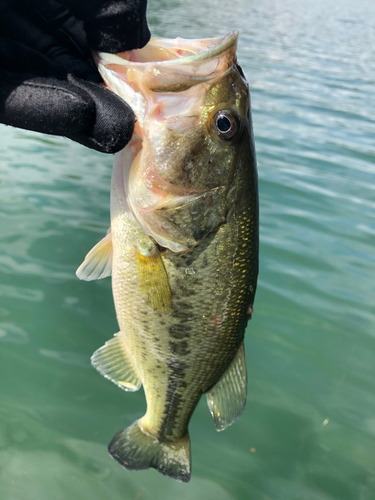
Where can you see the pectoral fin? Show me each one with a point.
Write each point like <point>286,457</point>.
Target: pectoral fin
<point>98,262</point>
<point>111,360</point>
<point>153,279</point>
<point>227,399</point>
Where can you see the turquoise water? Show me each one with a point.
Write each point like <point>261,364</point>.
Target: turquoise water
<point>308,432</point>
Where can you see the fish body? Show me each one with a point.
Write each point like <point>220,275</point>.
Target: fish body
<point>183,244</point>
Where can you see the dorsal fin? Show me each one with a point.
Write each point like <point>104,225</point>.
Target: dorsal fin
<point>111,360</point>
<point>227,399</point>
<point>98,262</point>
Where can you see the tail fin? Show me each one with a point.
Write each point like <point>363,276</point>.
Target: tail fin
<point>134,449</point>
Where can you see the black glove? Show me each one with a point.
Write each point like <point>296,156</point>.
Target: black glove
<point>48,80</point>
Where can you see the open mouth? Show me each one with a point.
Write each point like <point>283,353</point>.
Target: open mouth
<point>167,50</point>
<point>171,64</point>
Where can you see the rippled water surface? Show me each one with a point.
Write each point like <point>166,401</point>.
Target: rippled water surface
<point>308,432</point>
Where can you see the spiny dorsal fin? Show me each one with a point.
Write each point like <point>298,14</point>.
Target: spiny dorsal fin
<point>98,262</point>
<point>227,399</point>
<point>111,360</point>
<point>153,279</point>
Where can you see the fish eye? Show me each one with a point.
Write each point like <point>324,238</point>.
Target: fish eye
<point>225,125</point>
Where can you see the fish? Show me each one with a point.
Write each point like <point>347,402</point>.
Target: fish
<point>183,244</point>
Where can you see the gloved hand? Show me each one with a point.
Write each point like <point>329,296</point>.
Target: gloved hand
<point>48,80</point>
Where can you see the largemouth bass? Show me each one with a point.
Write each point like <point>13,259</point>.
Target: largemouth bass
<point>183,244</point>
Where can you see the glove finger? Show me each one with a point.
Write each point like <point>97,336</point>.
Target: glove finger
<point>23,25</point>
<point>58,20</point>
<point>112,26</point>
<point>113,125</point>
<point>82,111</point>
<point>23,60</point>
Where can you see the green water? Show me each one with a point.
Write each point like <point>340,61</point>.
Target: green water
<point>308,432</point>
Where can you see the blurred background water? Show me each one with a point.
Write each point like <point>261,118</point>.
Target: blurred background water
<point>308,432</point>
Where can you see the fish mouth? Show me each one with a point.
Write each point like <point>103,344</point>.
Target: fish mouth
<point>190,50</point>
<point>172,65</point>
<point>172,51</point>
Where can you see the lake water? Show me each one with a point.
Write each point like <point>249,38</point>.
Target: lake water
<point>308,432</point>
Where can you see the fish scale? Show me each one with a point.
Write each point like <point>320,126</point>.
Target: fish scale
<point>183,245</point>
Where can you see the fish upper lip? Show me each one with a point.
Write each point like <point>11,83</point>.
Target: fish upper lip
<point>224,43</point>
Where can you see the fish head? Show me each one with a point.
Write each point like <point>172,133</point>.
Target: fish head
<point>192,106</point>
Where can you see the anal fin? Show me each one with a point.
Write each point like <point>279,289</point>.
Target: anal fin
<point>111,360</point>
<point>227,398</point>
<point>98,262</point>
